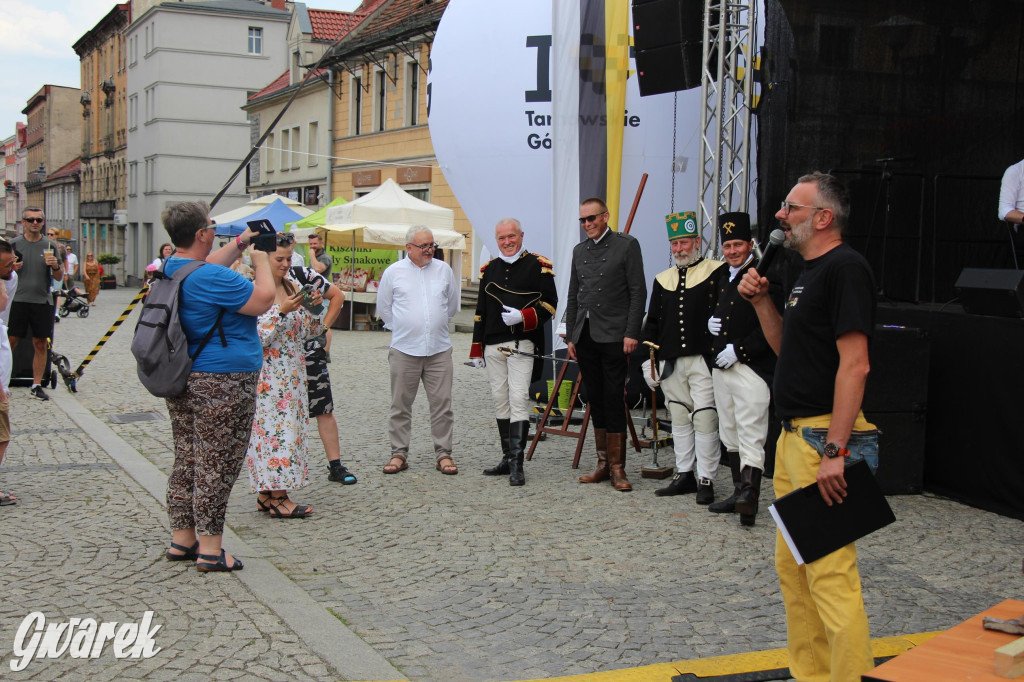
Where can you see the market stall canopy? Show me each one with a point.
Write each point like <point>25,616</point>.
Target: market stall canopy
<point>315,219</point>
<point>277,213</point>
<point>384,215</point>
<point>259,204</point>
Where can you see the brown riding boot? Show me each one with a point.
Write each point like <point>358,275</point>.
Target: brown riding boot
<point>601,444</point>
<point>617,461</point>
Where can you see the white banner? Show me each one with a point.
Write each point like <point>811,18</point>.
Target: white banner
<point>493,69</point>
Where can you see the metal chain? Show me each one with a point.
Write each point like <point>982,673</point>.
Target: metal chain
<point>675,107</point>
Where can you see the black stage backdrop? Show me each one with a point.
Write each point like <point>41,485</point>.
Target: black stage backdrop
<point>974,444</point>
<point>934,85</point>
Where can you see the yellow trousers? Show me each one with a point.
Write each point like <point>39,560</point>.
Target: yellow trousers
<point>826,623</point>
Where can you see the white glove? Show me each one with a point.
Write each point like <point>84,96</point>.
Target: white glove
<point>727,358</point>
<point>714,325</point>
<point>652,382</point>
<point>478,363</point>
<point>511,316</point>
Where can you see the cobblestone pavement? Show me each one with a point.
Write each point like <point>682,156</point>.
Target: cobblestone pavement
<point>445,578</point>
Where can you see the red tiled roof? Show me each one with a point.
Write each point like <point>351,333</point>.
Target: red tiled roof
<point>329,24</point>
<point>283,82</point>
<point>66,170</point>
<point>387,20</point>
<point>279,83</point>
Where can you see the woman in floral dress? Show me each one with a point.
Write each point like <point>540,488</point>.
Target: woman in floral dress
<point>277,449</point>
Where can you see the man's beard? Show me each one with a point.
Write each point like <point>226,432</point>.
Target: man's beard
<point>798,234</point>
<point>686,260</point>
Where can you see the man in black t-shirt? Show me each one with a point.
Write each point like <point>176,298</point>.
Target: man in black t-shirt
<point>822,344</point>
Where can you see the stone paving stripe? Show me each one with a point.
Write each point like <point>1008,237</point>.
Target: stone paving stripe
<point>336,645</point>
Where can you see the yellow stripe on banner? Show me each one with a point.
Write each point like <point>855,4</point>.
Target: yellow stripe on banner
<point>735,664</point>
<point>616,72</point>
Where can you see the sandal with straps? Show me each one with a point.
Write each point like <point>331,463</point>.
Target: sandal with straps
<point>264,505</point>
<point>187,553</point>
<point>299,511</point>
<point>448,469</point>
<point>211,563</point>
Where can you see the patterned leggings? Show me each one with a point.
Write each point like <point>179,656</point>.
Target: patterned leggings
<point>211,423</point>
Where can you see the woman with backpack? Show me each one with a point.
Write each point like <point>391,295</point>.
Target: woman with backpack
<point>212,419</point>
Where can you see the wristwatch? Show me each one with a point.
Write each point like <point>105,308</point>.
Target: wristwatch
<point>832,451</point>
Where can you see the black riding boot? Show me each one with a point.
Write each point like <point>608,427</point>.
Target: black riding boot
<point>728,505</point>
<point>517,444</point>
<point>750,490</point>
<point>502,468</point>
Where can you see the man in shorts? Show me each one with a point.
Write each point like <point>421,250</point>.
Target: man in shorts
<point>32,309</point>
<point>321,401</point>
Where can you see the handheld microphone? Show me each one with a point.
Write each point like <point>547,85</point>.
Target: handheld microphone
<point>775,240</point>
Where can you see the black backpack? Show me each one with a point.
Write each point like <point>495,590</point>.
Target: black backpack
<point>160,346</point>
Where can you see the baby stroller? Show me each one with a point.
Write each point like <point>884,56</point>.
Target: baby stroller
<point>74,302</point>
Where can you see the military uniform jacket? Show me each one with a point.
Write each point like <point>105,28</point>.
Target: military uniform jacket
<point>606,283</point>
<point>682,300</point>
<point>741,328</point>
<point>529,272</point>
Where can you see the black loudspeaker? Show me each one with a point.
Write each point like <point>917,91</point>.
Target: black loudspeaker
<point>900,452</point>
<point>669,69</point>
<point>668,36</point>
<point>657,23</point>
<point>988,291</point>
<point>896,401</point>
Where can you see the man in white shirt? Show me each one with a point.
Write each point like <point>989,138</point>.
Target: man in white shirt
<point>416,299</point>
<point>1011,194</point>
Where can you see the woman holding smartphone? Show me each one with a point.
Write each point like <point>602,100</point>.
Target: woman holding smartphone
<point>277,458</point>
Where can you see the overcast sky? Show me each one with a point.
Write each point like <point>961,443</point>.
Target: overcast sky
<point>35,46</point>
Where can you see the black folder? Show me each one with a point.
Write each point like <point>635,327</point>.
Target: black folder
<point>813,529</point>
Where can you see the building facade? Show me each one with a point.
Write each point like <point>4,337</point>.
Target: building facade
<point>9,186</point>
<point>53,136</point>
<point>104,176</point>
<point>294,160</point>
<point>61,196</point>
<point>191,67</point>
<point>380,116</point>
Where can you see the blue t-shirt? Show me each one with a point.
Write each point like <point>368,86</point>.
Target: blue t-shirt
<point>204,293</point>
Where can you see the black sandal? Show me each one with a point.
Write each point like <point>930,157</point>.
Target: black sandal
<point>300,511</point>
<point>188,553</point>
<point>216,564</point>
<point>264,505</point>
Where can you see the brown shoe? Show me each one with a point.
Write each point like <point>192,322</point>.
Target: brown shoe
<point>617,461</point>
<point>601,444</point>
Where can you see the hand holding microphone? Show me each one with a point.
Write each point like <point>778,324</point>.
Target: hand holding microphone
<point>754,283</point>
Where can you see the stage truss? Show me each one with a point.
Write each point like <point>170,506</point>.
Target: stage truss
<point>724,173</point>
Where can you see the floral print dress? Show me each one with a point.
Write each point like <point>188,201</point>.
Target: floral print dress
<point>277,448</point>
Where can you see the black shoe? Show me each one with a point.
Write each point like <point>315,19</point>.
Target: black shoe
<point>38,392</point>
<point>339,474</point>
<point>705,491</point>
<point>726,506</point>
<point>682,483</point>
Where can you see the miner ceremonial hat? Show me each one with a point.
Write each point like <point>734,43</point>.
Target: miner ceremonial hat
<point>734,225</point>
<point>682,224</point>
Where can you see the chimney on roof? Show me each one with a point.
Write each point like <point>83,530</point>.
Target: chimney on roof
<point>278,4</point>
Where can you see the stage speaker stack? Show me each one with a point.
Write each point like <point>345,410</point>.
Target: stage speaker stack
<point>896,401</point>
<point>989,291</point>
<point>668,37</point>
